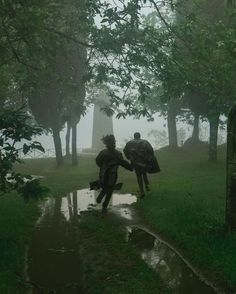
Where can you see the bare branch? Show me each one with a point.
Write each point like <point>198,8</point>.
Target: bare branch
<point>15,53</point>
<point>68,37</point>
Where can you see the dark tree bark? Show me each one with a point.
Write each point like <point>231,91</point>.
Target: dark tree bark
<point>74,144</point>
<point>172,130</point>
<point>68,139</point>
<point>230,208</point>
<point>57,144</point>
<point>214,123</point>
<point>195,134</point>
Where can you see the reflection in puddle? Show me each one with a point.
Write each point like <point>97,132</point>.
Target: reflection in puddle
<point>53,258</point>
<point>84,200</point>
<point>170,267</point>
<point>126,213</point>
<point>54,261</point>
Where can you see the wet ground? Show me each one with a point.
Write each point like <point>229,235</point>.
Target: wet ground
<point>54,260</point>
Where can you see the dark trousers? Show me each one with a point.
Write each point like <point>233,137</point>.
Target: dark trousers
<point>107,193</point>
<point>141,177</point>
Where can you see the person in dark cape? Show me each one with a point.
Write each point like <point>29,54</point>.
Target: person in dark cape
<point>109,160</point>
<point>141,155</point>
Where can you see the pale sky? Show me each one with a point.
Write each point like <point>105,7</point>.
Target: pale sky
<point>123,130</point>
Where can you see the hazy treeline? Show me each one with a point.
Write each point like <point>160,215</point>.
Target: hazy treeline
<point>174,57</point>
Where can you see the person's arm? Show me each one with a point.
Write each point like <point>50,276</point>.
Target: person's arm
<point>100,159</point>
<point>124,163</point>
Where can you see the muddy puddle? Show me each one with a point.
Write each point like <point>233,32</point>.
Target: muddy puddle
<point>53,260</point>
<point>54,264</point>
<point>173,269</point>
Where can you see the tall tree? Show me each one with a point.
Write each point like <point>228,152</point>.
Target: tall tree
<point>75,105</point>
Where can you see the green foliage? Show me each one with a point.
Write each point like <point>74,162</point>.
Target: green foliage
<point>32,189</point>
<point>185,48</point>
<point>15,126</point>
<point>50,50</point>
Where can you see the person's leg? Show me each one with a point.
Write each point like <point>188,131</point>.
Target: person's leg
<point>146,181</point>
<point>100,196</point>
<point>109,192</point>
<point>140,180</point>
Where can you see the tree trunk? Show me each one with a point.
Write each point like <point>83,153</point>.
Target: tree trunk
<point>68,139</point>
<point>195,134</point>
<point>171,121</point>
<point>231,3</point>
<point>57,144</point>
<point>74,144</point>
<point>230,208</point>
<point>214,123</point>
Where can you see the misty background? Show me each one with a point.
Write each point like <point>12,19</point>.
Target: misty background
<point>125,128</point>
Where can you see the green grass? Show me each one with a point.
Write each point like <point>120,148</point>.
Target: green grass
<point>111,265</point>
<point>186,205</point>
<point>16,224</point>
<point>61,180</point>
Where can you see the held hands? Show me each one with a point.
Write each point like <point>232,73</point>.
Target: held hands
<point>131,167</point>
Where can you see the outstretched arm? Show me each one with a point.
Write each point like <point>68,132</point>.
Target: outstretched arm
<point>124,163</point>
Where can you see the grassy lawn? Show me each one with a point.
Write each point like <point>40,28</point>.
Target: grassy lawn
<point>186,205</point>
<point>16,224</point>
<point>61,180</point>
<point>111,265</point>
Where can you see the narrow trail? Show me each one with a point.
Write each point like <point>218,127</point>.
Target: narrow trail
<point>54,261</point>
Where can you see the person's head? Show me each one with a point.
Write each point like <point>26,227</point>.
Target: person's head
<point>137,135</point>
<point>109,141</point>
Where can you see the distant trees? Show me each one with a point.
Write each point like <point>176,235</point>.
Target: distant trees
<point>192,59</point>
<point>206,21</point>
<point>187,49</point>
<point>44,58</point>
<point>75,105</point>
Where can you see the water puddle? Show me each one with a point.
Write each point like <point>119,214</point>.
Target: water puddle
<point>84,200</point>
<point>53,260</point>
<point>176,272</point>
<point>54,264</point>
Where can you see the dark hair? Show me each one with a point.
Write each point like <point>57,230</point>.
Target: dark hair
<point>137,135</point>
<point>109,141</point>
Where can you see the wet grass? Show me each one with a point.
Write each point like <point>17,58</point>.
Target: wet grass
<point>111,265</point>
<point>16,225</point>
<point>64,179</point>
<point>187,205</point>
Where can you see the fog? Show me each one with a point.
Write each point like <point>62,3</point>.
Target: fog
<point>123,130</point>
